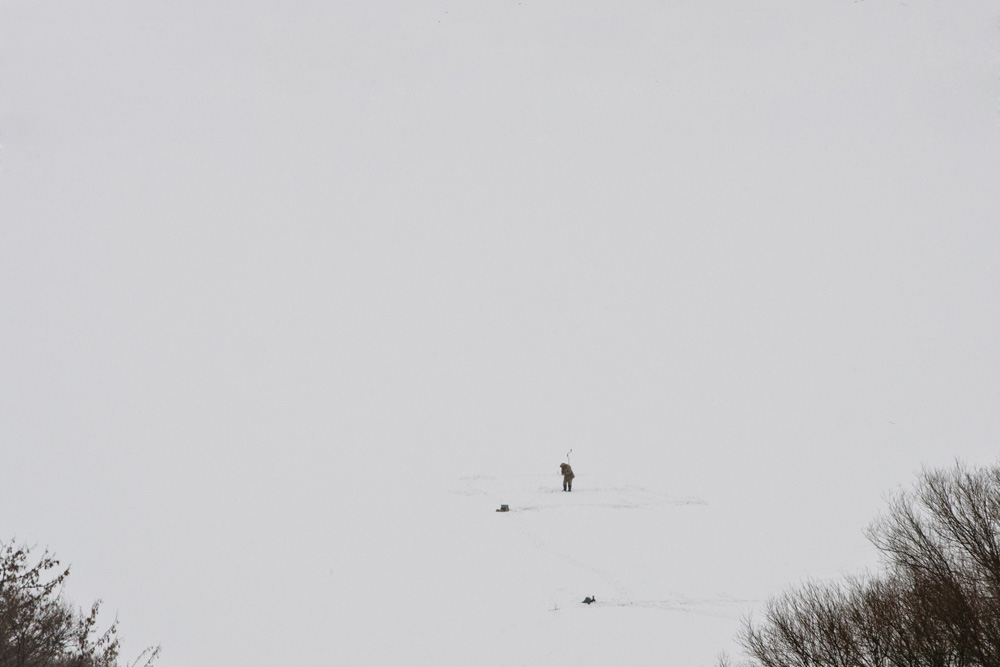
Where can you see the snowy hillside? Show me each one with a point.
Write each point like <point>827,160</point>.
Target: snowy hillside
<point>452,581</point>
<point>294,295</point>
<point>512,592</point>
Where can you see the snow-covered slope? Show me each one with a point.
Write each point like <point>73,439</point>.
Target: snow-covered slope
<point>449,580</point>
<point>293,295</point>
<point>484,587</point>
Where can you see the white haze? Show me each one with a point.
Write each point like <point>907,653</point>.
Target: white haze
<point>293,295</point>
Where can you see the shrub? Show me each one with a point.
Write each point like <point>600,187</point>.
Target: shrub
<point>38,628</point>
<point>935,604</point>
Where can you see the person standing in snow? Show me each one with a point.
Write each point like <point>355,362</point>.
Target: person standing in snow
<point>567,473</point>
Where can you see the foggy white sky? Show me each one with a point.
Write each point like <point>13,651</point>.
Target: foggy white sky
<point>270,271</point>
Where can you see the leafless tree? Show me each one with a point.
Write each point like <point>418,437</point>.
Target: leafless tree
<point>935,604</point>
<point>39,628</point>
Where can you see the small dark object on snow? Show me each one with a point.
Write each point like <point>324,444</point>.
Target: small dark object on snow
<point>504,508</point>
<point>589,600</point>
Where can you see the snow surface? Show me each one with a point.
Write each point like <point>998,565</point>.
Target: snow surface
<point>293,295</point>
